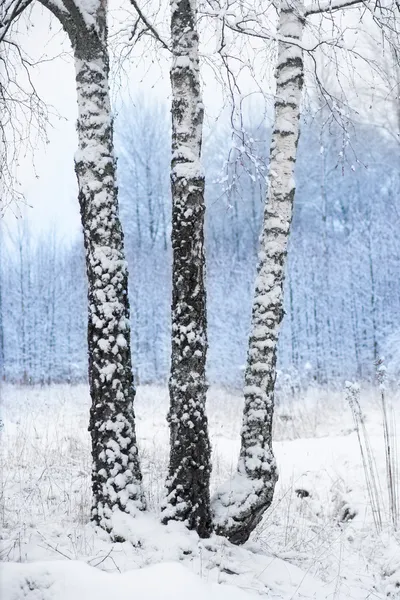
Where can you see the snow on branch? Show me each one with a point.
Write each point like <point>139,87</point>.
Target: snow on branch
<point>330,6</point>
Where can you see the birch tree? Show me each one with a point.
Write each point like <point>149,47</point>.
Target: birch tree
<point>116,476</point>
<point>188,480</point>
<point>240,504</point>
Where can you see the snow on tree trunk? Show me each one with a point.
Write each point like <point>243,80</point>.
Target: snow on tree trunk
<point>188,496</point>
<point>240,504</point>
<point>116,477</point>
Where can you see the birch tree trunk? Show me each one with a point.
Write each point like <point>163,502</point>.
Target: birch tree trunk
<point>188,496</point>
<point>116,476</point>
<point>240,504</point>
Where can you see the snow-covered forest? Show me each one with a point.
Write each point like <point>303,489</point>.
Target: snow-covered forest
<point>343,297</point>
<point>199,299</point>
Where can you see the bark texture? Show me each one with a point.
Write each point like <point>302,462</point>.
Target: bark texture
<point>116,476</point>
<point>239,506</point>
<point>188,496</point>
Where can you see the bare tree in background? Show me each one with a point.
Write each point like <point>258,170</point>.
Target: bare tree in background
<point>2,354</point>
<point>116,476</point>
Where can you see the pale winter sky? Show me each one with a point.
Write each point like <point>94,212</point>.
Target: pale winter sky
<point>50,186</point>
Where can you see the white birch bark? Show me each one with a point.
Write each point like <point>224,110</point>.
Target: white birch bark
<point>188,495</point>
<point>240,504</point>
<point>116,476</point>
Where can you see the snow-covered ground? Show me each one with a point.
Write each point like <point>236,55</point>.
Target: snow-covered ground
<point>303,549</point>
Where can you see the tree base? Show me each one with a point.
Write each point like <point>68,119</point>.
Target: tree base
<point>239,506</point>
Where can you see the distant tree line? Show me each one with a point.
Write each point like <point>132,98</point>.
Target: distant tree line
<point>342,298</point>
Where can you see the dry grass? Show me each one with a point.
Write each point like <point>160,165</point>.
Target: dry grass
<point>385,508</point>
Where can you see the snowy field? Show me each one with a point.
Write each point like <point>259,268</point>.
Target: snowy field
<point>305,547</point>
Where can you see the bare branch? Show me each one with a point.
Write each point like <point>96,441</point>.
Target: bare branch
<point>331,6</point>
<point>9,12</point>
<point>148,26</point>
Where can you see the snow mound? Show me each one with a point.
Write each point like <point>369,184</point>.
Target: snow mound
<point>75,580</point>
